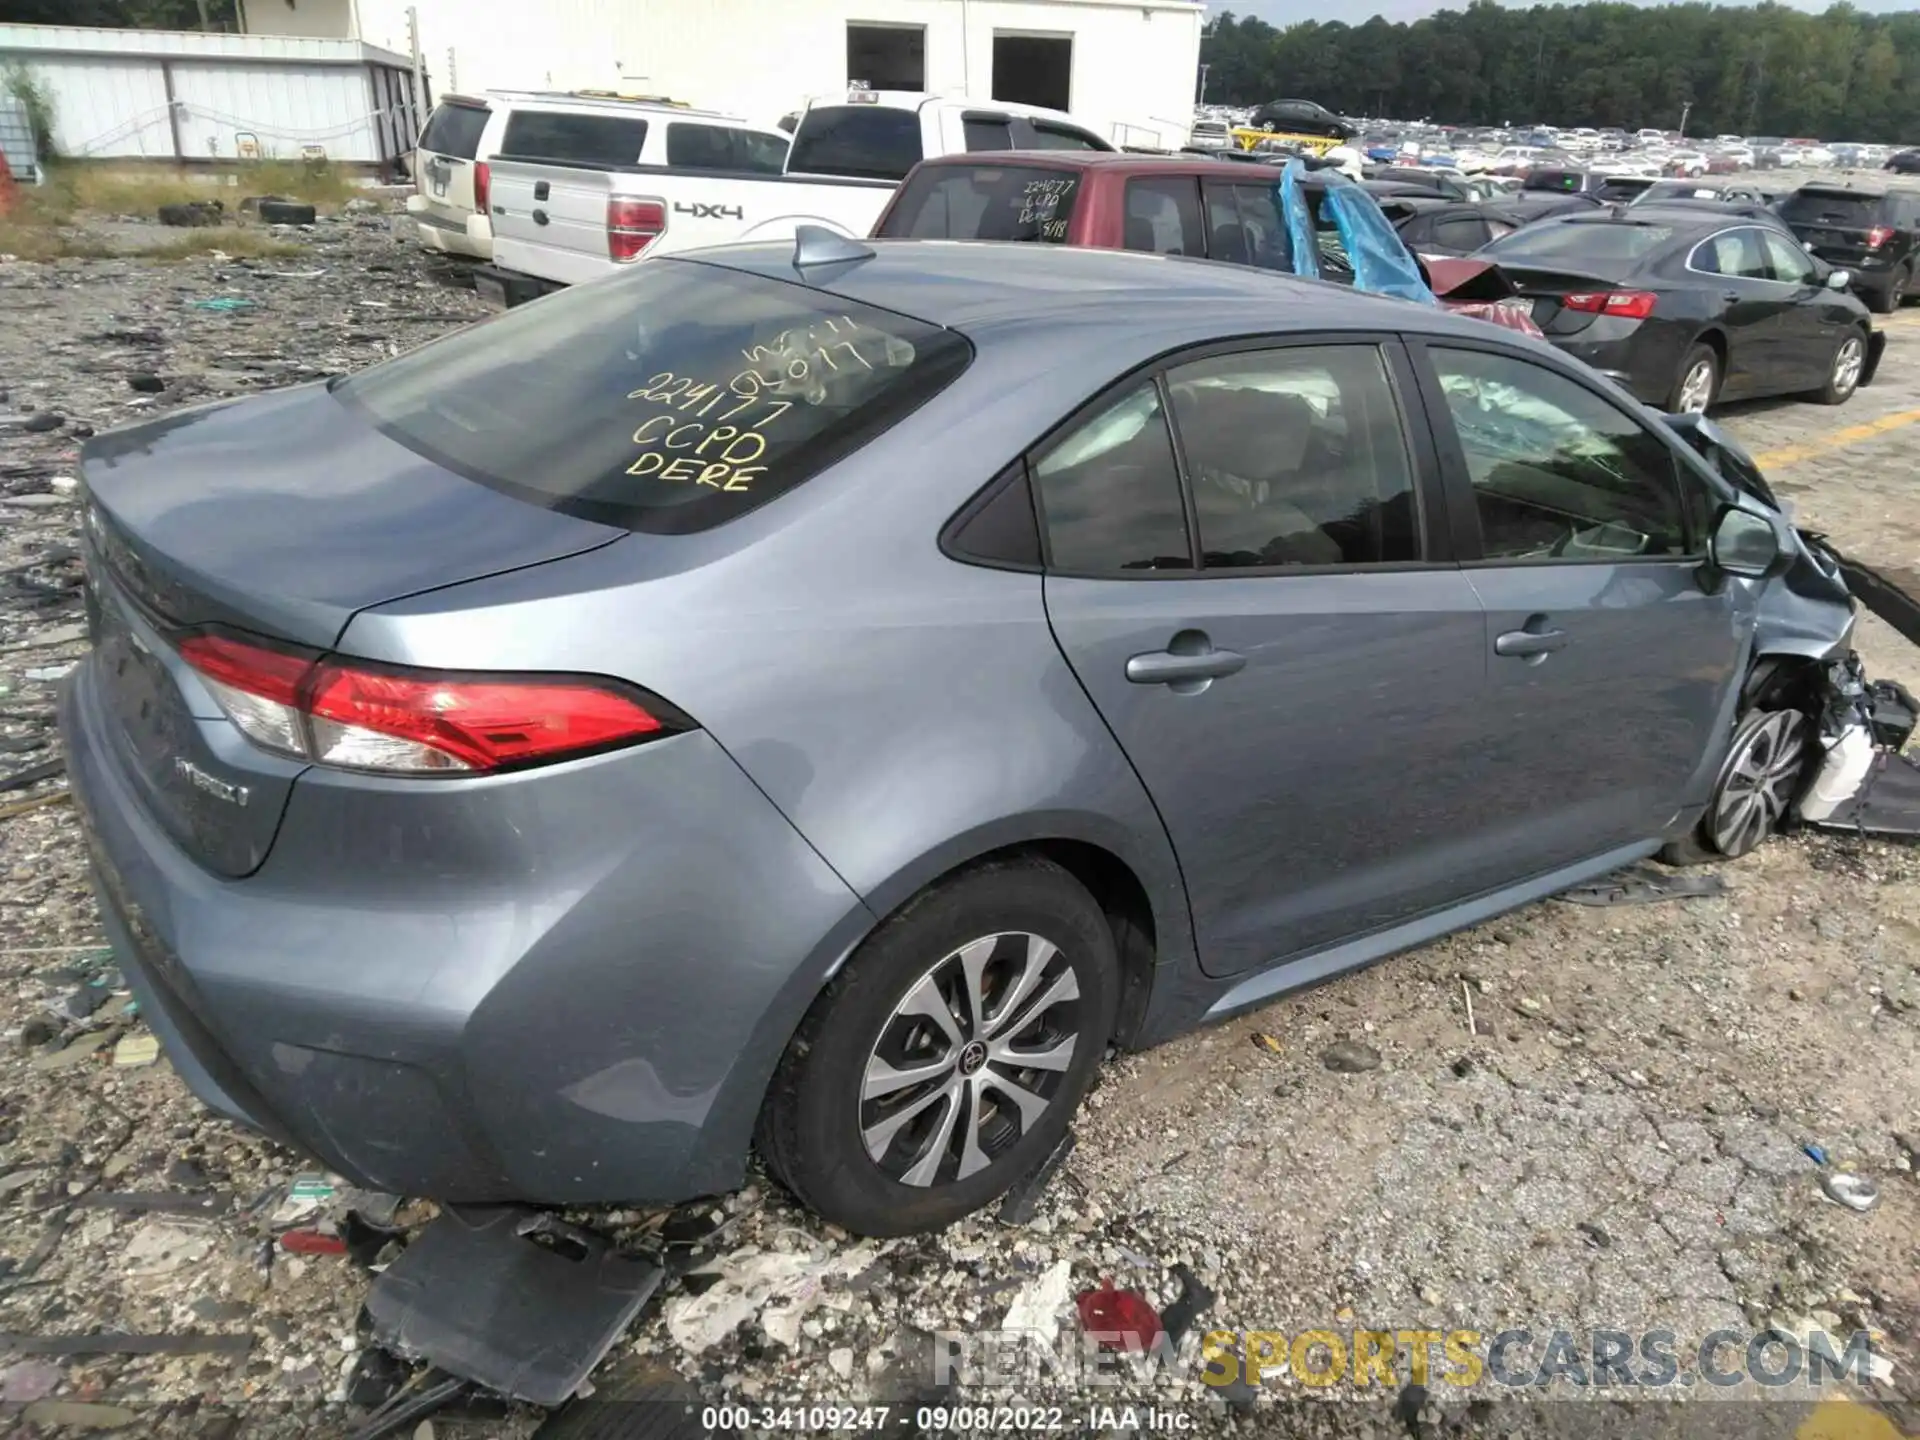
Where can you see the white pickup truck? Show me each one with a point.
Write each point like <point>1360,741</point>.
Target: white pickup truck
<point>560,224</point>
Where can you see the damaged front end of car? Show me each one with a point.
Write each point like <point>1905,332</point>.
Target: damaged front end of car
<point>1860,780</point>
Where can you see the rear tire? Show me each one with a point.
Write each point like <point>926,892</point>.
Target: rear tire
<point>1844,370</point>
<point>1698,383</point>
<point>1885,302</point>
<point>1009,960</point>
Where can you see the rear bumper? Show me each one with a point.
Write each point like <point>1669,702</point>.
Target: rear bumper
<point>473,238</point>
<point>504,289</point>
<point>1642,358</point>
<point>567,986</point>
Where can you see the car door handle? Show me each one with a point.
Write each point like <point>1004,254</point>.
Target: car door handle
<point>1527,643</point>
<point>1167,667</point>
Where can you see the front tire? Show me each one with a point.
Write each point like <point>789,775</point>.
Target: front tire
<point>1759,781</point>
<point>947,1058</point>
<point>1698,383</point>
<point>1844,370</point>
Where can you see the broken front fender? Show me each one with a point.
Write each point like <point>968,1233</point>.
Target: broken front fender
<point>1807,610</point>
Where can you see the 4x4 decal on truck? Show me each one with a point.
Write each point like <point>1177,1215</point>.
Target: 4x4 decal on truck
<point>709,212</point>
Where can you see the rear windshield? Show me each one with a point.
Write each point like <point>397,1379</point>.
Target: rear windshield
<point>575,139</point>
<point>867,142</point>
<point>667,399</point>
<point>1814,206</point>
<point>1607,249</point>
<point>455,130</point>
<point>1566,181</point>
<point>985,202</point>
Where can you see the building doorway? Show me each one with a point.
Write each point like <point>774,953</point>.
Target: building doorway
<point>1033,70</point>
<point>887,57</point>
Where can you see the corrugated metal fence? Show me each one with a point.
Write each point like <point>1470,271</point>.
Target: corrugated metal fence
<point>16,140</point>
<point>162,94</point>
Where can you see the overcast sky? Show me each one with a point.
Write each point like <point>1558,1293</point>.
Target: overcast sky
<point>1291,12</point>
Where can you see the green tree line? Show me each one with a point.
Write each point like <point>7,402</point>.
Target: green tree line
<point>1758,70</point>
<point>126,14</point>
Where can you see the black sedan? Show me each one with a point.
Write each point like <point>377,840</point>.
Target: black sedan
<point>1686,307</point>
<point>1904,162</point>
<point>1444,227</point>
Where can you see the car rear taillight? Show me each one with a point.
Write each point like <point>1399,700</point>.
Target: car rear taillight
<point>632,225</point>
<point>482,185</point>
<point>1628,304</point>
<point>1878,236</point>
<point>362,716</point>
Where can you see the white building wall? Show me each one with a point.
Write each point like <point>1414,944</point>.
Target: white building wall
<point>1135,62</point>
<point>322,19</point>
<point>109,91</point>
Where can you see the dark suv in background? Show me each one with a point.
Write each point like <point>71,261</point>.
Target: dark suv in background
<point>1871,233</point>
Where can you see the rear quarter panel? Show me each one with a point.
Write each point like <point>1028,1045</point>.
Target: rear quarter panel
<point>907,712</point>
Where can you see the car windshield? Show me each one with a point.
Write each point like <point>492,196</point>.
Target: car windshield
<point>1828,207</point>
<point>984,202</point>
<point>1607,249</point>
<point>1561,180</point>
<point>668,399</point>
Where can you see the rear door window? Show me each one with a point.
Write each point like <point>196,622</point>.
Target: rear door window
<point>1296,457</point>
<point>1163,217</point>
<point>1739,253</point>
<point>669,398</point>
<point>455,130</point>
<point>1110,493</point>
<point>1243,225</point>
<point>575,139</point>
<point>985,202</point>
<point>868,142</point>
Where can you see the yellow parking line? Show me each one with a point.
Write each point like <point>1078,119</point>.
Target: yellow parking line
<point>1835,440</point>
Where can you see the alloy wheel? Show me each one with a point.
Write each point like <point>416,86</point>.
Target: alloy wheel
<point>1760,781</point>
<point>1848,364</point>
<point>970,1059</point>
<point>1696,390</point>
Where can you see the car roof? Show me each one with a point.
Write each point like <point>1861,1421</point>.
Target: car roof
<point>1178,164</point>
<point>979,286</point>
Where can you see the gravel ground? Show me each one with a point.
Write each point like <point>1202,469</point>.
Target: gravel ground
<point>1616,1143</point>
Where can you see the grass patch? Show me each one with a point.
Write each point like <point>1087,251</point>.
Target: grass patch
<point>191,244</point>
<point>107,191</point>
<point>44,227</point>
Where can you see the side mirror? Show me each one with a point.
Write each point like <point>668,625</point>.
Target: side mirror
<point>1839,279</point>
<point>1750,545</point>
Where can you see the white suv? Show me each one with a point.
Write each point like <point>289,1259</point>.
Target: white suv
<point>452,163</point>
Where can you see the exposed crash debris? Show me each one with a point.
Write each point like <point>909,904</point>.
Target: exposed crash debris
<point>1645,884</point>
<point>512,1299</point>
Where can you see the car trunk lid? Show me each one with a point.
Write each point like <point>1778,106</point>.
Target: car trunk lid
<point>1550,291</point>
<point>281,517</point>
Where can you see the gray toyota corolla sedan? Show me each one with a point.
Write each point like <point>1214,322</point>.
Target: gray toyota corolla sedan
<point>819,698</point>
